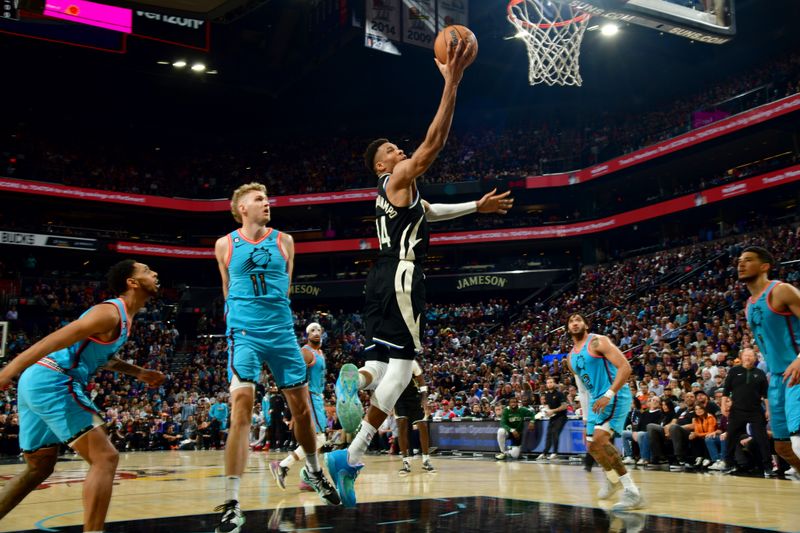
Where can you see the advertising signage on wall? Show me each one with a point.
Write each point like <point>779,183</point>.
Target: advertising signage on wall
<point>19,238</point>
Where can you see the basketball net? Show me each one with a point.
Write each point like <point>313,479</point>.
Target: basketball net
<point>552,32</point>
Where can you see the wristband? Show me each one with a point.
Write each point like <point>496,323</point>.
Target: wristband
<point>424,388</point>
<point>609,394</point>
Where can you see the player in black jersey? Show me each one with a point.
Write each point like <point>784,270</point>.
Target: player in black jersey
<point>409,410</point>
<point>395,292</point>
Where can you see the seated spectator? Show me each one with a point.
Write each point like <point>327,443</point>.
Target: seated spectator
<point>705,425</point>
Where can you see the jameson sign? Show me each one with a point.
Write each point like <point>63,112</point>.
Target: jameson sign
<point>482,281</point>
<point>519,279</point>
<point>493,281</point>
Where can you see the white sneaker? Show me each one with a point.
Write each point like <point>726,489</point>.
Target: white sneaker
<point>608,489</point>
<point>628,460</point>
<point>542,457</point>
<point>719,465</point>
<point>792,474</point>
<point>553,456</point>
<point>706,462</point>
<point>629,501</point>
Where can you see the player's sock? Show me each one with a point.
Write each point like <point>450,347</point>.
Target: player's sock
<point>612,476</point>
<point>355,453</point>
<point>362,381</point>
<point>426,457</point>
<point>232,488</point>
<point>795,444</point>
<point>312,462</point>
<point>627,482</point>
<point>288,461</point>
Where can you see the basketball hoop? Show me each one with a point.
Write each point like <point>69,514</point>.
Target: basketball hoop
<point>552,32</point>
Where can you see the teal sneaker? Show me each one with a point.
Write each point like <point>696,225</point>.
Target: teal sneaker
<point>343,476</point>
<point>348,405</point>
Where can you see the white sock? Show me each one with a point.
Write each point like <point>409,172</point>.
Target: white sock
<point>232,488</point>
<point>312,462</point>
<point>627,482</point>
<point>362,381</point>
<point>355,453</point>
<point>795,444</point>
<point>426,457</point>
<point>612,476</point>
<point>288,461</point>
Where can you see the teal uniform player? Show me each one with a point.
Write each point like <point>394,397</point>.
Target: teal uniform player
<point>258,317</point>
<point>316,386</point>
<point>777,334</point>
<point>597,374</point>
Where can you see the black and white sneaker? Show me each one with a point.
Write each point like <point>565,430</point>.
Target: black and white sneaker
<point>428,467</point>
<point>406,469</point>
<point>320,484</point>
<point>232,517</point>
<point>279,473</point>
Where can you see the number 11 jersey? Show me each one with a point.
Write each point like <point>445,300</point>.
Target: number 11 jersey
<point>258,286</point>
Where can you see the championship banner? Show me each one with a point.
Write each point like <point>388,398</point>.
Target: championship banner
<point>419,22</point>
<point>9,9</point>
<point>46,241</point>
<point>382,25</point>
<point>453,12</point>
<point>186,32</point>
<point>766,112</point>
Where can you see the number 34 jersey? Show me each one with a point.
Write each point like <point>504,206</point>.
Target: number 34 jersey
<point>258,286</point>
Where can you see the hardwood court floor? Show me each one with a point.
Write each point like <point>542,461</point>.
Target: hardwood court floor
<point>189,484</point>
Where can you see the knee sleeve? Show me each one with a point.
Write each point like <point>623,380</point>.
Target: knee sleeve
<point>796,445</point>
<point>376,369</point>
<point>398,374</point>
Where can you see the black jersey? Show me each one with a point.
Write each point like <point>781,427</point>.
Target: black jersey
<point>402,231</point>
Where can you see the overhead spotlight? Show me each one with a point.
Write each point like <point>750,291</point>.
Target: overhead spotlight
<point>163,62</point>
<point>179,64</point>
<point>212,72</point>
<point>609,30</point>
<point>198,67</point>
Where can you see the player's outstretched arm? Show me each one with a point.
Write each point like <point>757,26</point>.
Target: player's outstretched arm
<point>154,378</point>
<point>491,202</point>
<point>288,246</point>
<point>406,171</point>
<point>100,320</point>
<point>787,295</point>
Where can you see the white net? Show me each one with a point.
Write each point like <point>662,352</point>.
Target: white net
<point>552,32</point>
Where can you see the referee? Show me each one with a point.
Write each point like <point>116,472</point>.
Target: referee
<point>746,386</point>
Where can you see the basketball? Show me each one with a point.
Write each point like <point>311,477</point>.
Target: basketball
<point>449,36</point>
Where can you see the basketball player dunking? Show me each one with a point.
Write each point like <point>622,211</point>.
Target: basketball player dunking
<point>601,374</point>
<point>315,360</point>
<point>395,291</point>
<point>256,262</point>
<point>773,314</point>
<point>53,404</point>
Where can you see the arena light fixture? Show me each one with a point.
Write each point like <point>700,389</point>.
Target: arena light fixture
<point>609,30</point>
<point>198,67</point>
<point>179,63</point>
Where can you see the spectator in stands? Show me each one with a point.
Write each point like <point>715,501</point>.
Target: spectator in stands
<point>705,425</point>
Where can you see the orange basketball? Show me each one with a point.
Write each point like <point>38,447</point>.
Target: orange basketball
<point>450,36</point>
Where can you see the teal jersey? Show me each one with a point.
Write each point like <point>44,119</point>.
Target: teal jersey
<point>776,334</point>
<point>258,286</point>
<point>219,411</point>
<point>594,370</point>
<point>83,358</point>
<point>316,371</point>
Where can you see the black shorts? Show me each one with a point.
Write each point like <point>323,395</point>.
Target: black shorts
<point>410,407</point>
<point>395,309</point>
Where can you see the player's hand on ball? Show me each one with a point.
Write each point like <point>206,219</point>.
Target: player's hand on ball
<point>495,203</point>
<point>600,404</point>
<point>154,378</point>
<point>457,61</point>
